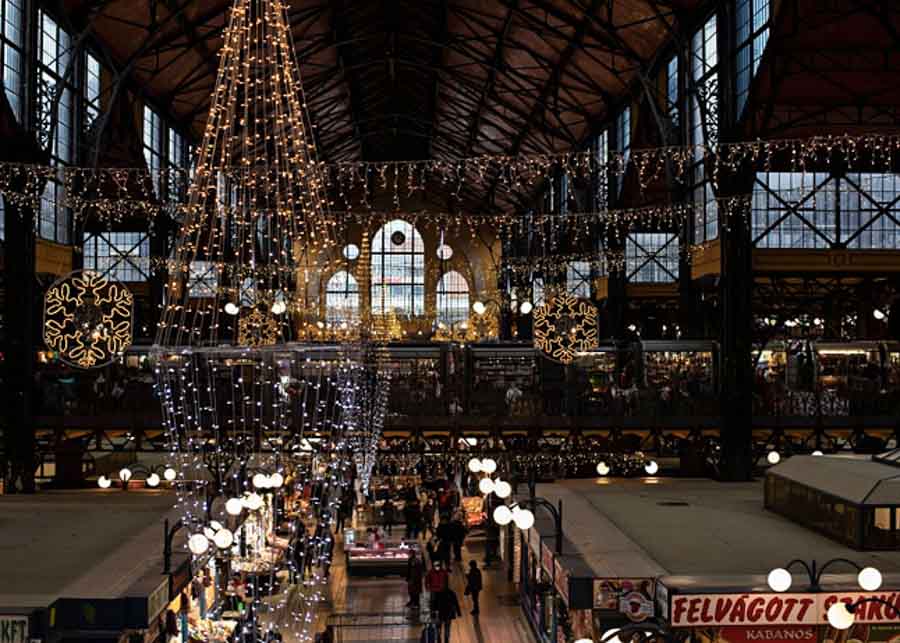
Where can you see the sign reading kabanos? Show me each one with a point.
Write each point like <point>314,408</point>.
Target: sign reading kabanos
<point>691,610</point>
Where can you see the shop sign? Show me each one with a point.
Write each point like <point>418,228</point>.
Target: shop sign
<point>690,610</point>
<point>610,593</point>
<point>636,605</point>
<point>13,629</point>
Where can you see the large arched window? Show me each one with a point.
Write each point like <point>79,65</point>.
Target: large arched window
<point>398,270</point>
<point>341,298</point>
<point>452,298</point>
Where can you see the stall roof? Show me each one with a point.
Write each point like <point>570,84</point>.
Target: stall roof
<point>696,528</point>
<point>79,544</point>
<point>862,481</point>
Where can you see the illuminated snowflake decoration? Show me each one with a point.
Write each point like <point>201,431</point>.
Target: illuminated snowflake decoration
<point>565,326</point>
<point>258,329</point>
<point>88,319</point>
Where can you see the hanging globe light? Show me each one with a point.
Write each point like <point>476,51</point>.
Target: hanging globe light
<point>198,544</point>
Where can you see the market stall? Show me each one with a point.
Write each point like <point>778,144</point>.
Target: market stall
<point>385,558</point>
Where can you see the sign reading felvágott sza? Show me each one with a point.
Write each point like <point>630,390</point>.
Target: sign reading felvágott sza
<point>13,629</point>
<point>693,610</point>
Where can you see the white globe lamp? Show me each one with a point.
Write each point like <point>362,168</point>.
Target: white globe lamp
<point>475,465</point>
<point>153,480</point>
<point>780,579</point>
<point>502,515</point>
<point>524,519</point>
<point>276,480</point>
<point>774,457</point>
<point>602,469</point>
<point>479,307</point>
<point>103,482</point>
<point>198,544</point>
<point>651,468</point>
<point>169,474</point>
<point>839,616</point>
<point>234,507</point>
<point>486,486</point>
<point>869,579</point>
<point>611,636</point>
<point>502,488</point>
<point>488,465</point>
<point>125,474</point>
<point>526,308</point>
<point>817,453</point>
<point>231,308</point>
<point>223,539</point>
<point>261,481</point>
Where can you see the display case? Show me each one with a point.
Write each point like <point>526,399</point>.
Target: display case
<point>473,511</point>
<point>391,558</point>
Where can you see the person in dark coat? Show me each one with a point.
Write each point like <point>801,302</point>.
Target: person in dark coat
<point>412,514</point>
<point>447,608</point>
<point>388,510</point>
<point>457,533</point>
<point>415,575</point>
<point>443,551</point>
<point>474,585</point>
<point>428,518</point>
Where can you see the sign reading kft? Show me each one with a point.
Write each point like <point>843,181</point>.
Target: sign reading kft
<point>690,610</point>
<point>13,629</point>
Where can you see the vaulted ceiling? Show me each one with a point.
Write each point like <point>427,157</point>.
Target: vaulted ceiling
<point>409,79</point>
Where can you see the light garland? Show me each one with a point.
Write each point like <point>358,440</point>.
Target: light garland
<point>115,194</point>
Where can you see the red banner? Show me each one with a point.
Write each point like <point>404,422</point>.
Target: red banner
<point>691,610</point>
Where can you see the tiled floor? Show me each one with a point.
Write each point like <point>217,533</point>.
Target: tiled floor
<point>383,616</point>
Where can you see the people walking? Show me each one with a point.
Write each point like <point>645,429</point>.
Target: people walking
<point>428,511</point>
<point>474,585</point>
<point>447,608</point>
<point>414,577</point>
<point>388,511</point>
<point>436,581</point>
<point>457,534</point>
<point>412,514</point>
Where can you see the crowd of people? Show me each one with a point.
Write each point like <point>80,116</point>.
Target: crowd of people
<point>430,513</point>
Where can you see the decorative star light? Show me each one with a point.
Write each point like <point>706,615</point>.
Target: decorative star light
<point>257,329</point>
<point>564,326</point>
<point>88,319</point>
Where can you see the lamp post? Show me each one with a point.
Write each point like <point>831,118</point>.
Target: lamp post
<point>841,615</point>
<point>522,513</point>
<point>780,578</point>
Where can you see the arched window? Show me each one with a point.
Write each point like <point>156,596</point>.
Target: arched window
<point>341,298</point>
<point>398,270</point>
<point>452,298</point>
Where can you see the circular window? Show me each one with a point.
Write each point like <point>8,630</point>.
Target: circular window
<point>398,238</point>
<point>444,252</point>
<point>351,251</point>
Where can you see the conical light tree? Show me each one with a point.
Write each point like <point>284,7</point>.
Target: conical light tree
<point>257,196</point>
